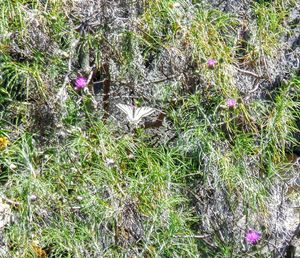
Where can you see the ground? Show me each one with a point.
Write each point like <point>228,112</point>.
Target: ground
<point>203,151</point>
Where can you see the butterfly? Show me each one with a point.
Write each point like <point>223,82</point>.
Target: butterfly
<point>135,114</point>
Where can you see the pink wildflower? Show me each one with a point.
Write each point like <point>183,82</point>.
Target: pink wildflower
<point>80,82</point>
<point>211,63</point>
<point>231,103</point>
<point>252,236</point>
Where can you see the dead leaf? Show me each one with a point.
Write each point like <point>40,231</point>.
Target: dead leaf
<point>38,251</point>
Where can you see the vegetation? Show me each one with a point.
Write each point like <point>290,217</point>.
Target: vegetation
<point>216,161</point>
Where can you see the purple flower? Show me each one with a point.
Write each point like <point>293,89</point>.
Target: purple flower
<point>231,103</point>
<point>80,82</point>
<point>252,236</point>
<point>211,63</point>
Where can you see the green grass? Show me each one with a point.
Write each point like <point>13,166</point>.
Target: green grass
<point>270,27</point>
<point>147,182</point>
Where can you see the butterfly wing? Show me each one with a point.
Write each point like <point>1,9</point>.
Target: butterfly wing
<point>134,114</point>
<point>128,110</point>
<point>141,112</point>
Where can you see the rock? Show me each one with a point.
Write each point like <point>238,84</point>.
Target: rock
<point>5,214</point>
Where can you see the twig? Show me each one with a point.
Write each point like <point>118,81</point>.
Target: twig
<point>193,236</point>
<point>166,79</point>
<point>11,202</point>
<point>256,86</point>
<point>248,72</point>
<point>106,90</point>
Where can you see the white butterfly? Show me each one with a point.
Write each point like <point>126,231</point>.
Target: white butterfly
<point>135,114</point>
